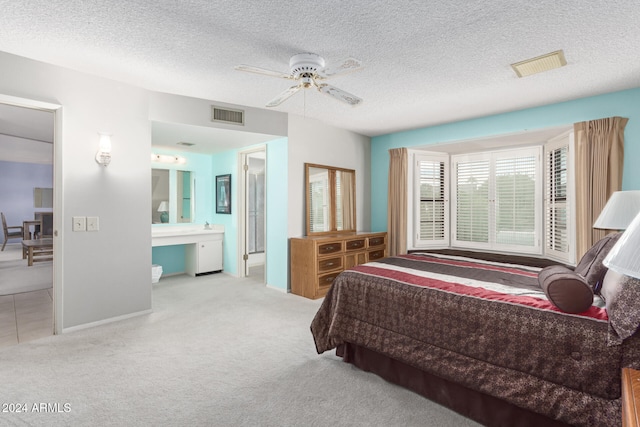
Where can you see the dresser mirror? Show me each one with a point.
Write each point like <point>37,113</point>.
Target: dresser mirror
<point>172,196</point>
<point>331,199</point>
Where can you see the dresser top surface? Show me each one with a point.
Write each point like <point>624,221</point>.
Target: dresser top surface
<point>341,236</point>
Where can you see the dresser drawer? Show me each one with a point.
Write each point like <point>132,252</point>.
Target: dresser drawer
<point>329,248</point>
<point>330,264</point>
<point>355,244</point>
<point>327,279</point>
<point>373,255</point>
<point>376,241</point>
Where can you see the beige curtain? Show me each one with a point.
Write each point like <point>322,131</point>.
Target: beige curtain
<point>397,202</point>
<point>599,162</point>
<point>348,202</point>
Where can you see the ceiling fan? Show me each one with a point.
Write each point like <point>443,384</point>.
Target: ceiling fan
<point>308,69</point>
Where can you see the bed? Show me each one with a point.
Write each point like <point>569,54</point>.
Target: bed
<point>483,337</point>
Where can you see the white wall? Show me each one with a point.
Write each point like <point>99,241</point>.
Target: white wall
<point>99,280</point>
<point>311,141</point>
<point>193,111</point>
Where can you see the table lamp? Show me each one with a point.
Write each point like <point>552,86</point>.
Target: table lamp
<point>163,209</point>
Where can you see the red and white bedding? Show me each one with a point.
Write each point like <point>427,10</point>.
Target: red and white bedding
<point>485,325</point>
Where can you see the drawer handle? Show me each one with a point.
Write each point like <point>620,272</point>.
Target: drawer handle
<point>329,264</point>
<point>329,279</point>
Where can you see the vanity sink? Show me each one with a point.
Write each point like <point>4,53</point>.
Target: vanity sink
<point>184,234</point>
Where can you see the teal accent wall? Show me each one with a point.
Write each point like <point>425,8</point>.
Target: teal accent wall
<point>171,258</point>
<point>277,218</point>
<point>222,164</point>
<point>277,190</point>
<point>624,103</point>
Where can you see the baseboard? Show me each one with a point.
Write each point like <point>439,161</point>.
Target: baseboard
<point>284,291</point>
<point>105,321</point>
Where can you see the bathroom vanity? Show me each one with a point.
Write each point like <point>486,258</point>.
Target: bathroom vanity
<point>203,246</point>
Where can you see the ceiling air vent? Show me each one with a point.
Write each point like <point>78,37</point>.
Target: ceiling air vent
<point>226,115</point>
<point>539,64</point>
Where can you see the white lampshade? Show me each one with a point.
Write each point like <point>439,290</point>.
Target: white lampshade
<point>621,208</point>
<point>624,257</point>
<point>164,207</point>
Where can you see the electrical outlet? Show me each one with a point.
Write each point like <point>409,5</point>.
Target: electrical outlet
<point>79,223</point>
<point>93,223</point>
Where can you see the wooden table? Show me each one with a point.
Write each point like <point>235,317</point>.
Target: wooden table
<point>37,250</point>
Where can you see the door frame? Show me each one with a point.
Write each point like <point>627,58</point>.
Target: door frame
<point>243,207</point>
<point>58,191</point>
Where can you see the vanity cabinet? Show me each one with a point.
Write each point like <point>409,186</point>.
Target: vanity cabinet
<point>317,260</point>
<point>203,257</point>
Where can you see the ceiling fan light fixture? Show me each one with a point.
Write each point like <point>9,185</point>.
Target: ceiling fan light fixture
<point>540,64</point>
<point>307,69</point>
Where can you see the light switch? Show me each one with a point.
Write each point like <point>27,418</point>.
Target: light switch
<point>79,223</point>
<point>93,223</point>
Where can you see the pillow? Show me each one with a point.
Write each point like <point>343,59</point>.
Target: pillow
<point>622,297</point>
<point>590,266</point>
<point>566,289</point>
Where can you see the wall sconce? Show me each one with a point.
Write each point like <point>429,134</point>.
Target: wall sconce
<point>103,156</point>
<point>163,158</point>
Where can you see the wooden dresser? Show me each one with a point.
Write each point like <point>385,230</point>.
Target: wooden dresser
<point>317,260</point>
<point>630,397</point>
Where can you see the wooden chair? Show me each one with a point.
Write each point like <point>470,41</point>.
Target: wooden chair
<point>8,233</point>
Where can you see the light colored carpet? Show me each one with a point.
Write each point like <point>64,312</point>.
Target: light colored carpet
<point>16,277</point>
<point>216,351</point>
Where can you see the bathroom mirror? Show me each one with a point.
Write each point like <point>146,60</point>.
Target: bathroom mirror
<point>330,199</point>
<point>172,196</point>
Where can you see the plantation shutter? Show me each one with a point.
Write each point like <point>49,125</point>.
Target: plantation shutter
<point>515,199</point>
<point>319,215</point>
<point>432,209</point>
<point>557,235</point>
<point>472,200</point>
<point>498,200</point>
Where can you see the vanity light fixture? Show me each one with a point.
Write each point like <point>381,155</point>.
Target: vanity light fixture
<point>103,156</point>
<point>164,158</point>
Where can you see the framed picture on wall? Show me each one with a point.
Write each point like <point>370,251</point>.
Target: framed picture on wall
<point>223,194</point>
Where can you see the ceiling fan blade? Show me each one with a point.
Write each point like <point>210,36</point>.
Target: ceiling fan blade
<point>339,94</point>
<point>345,66</point>
<point>264,71</point>
<point>284,96</point>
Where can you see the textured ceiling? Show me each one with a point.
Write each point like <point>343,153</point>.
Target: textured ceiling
<point>424,62</point>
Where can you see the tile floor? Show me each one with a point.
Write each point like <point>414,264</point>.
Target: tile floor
<point>26,316</point>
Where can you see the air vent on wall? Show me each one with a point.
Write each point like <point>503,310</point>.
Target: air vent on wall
<point>227,115</point>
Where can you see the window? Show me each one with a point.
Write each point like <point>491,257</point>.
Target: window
<point>497,200</point>
<point>432,207</point>
<point>513,200</point>
<point>558,200</point>
<point>319,193</point>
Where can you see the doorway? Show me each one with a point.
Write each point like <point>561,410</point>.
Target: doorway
<point>27,153</point>
<point>253,213</point>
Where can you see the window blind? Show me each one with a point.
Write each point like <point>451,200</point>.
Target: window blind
<point>498,200</point>
<point>472,200</point>
<point>432,200</point>
<point>556,201</point>
<point>515,203</point>
<point>318,216</point>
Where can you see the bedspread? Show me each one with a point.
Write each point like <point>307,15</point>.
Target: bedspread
<point>484,325</point>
